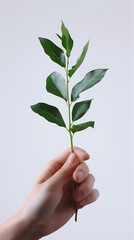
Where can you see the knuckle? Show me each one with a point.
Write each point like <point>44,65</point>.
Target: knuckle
<point>91,178</point>
<point>85,191</point>
<point>84,201</point>
<point>65,172</point>
<point>89,189</point>
<point>96,194</point>
<point>85,167</point>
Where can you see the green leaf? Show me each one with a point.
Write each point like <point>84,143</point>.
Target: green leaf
<point>53,51</point>
<point>80,109</point>
<point>59,36</point>
<point>55,84</point>
<point>67,41</point>
<point>82,126</point>
<point>91,78</point>
<point>79,61</point>
<point>49,112</point>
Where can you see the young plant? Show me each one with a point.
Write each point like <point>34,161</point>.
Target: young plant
<point>57,85</point>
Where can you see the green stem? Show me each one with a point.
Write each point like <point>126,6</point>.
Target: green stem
<point>69,104</point>
<point>70,125</point>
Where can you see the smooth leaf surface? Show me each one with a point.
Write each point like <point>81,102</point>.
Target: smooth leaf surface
<point>67,41</point>
<point>79,61</point>
<point>91,78</point>
<point>82,126</point>
<point>55,84</point>
<point>49,112</point>
<point>80,109</point>
<point>53,51</point>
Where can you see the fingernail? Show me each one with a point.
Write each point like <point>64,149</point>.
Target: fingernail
<point>71,159</point>
<point>81,151</point>
<point>81,175</point>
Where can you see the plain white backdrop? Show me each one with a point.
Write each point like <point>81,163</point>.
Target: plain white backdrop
<point>28,141</point>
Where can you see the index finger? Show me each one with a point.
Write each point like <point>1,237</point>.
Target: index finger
<point>79,152</point>
<point>55,164</point>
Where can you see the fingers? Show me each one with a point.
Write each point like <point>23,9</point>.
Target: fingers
<point>81,154</point>
<point>54,165</point>
<point>85,188</point>
<point>92,197</point>
<point>81,172</point>
<point>64,174</point>
<point>84,193</point>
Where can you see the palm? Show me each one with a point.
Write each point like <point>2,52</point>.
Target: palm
<point>64,210</point>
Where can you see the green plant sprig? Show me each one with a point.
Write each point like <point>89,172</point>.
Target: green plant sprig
<point>57,85</point>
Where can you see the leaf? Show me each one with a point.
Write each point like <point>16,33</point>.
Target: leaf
<point>53,51</point>
<point>91,78</point>
<point>49,112</point>
<point>67,41</point>
<point>82,126</point>
<point>59,36</point>
<point>55,84</point>
<point>79,61</point>
<point>80,109</point>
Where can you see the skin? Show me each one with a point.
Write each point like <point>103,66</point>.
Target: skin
<point>51,201</point>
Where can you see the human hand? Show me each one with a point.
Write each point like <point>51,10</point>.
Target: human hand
<point>51,202</point>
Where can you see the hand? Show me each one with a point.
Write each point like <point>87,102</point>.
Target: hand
<point>51,202</point>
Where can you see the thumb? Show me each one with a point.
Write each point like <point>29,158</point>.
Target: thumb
<point>64,174</point>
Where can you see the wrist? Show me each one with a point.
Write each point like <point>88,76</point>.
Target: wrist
<point>28,229</point>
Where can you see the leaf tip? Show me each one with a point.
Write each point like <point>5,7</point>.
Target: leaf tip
<point>32,107</point>
<point>88,41</point>
<point>58,36</point>
<point>40,39</point>
<point>62,22</point>
<point>92,99</point>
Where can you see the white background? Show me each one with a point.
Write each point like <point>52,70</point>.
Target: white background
<point>28,141</point>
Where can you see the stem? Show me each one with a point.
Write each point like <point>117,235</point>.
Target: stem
<point>70,124</point>
<point>69,104</point>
